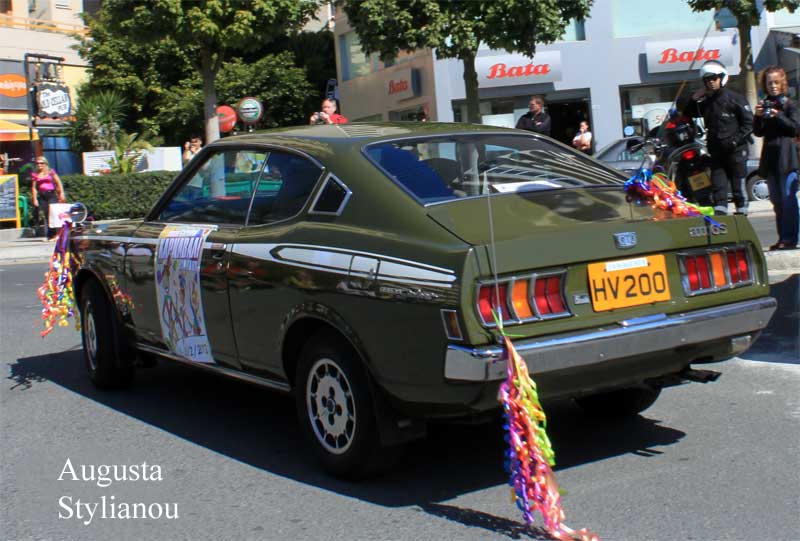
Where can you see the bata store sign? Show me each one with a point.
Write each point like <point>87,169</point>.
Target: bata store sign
<point>683,54</point>
<point>402,84</point>
<point>509,70</point>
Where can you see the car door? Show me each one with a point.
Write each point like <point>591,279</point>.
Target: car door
<point>263,289</point>
<point>177,263</point>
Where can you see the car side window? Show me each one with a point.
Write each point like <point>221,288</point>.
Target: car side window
<point>284,188</point>
<point>219,192</point>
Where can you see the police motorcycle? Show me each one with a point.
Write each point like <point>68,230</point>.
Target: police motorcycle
<point>674,148</point>
<point>684,158</point>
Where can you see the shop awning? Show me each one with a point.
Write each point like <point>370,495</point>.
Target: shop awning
<point>9,131</point>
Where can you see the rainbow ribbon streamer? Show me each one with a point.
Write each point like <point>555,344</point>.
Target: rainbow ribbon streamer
<point>56,293</point>
<point>530,455</point>
<point>658,191</point>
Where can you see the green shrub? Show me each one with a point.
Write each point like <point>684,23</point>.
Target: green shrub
<point>118,195</point>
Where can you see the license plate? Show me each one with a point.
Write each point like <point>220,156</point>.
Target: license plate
<point>699,181</point>
<point>628,282</point>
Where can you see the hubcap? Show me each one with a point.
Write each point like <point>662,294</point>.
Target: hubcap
<point>760,190</point>
<point>331,407</point>
<point>90,335</point>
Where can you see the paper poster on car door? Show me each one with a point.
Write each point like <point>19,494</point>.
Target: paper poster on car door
<point>183,325</point>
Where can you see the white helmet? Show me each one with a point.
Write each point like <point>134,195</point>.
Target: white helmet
<point>712,67</point>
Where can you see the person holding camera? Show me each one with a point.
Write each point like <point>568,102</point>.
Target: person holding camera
<point>729,121</point>
<point>190,148</point>
<point>328,114</point>
<point>777,120</point>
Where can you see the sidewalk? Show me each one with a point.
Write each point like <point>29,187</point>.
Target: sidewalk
<point>17,249</point>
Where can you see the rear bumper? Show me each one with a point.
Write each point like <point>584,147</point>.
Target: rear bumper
<point>626,339</point>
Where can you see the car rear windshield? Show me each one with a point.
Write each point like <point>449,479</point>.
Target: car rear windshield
<point>438,169</point>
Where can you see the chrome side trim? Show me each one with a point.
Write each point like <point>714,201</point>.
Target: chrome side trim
<point>217,369</point>
<point>602,344</point>
<point>346,262</point>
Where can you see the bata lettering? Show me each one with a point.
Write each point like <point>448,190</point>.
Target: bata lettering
<point>499,71</point>
<point>671,56</point>
<point>399,86</point>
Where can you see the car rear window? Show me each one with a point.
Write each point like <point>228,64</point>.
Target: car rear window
<point>437,169</point>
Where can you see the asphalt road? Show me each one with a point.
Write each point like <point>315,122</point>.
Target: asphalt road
<point>716,461</point>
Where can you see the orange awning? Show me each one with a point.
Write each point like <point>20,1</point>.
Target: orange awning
<point>10,131</point>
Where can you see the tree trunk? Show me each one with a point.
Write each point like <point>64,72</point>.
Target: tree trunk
<point>748,78</point>
<point>208,74</point>
<point>471,86</point>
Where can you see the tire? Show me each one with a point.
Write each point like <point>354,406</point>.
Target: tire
<point>108,358</point>
<point>619,403</point>
<point>334,407</point>
<point>757,189</point>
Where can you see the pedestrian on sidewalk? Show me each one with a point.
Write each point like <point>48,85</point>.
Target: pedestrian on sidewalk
<point>536,119</point>
<point>777,120</point>
<point>583,139</point>
<point>327,114</point>
<point>46,188</point>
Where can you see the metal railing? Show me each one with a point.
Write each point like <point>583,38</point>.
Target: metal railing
<point>42,25</point>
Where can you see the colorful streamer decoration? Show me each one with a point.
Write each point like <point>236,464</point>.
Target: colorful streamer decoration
<point>658,191</point>
<point>57,293</point>
<point>530,456</point>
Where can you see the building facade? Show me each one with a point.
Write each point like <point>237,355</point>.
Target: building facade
<point>624,65</point>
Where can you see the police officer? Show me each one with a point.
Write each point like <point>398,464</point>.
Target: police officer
<point>729,121</point>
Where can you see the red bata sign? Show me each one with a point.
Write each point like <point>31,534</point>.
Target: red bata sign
<point>403,84</point>
<point>398,86</point>
<point>517,69</point>
<point>500,70</point>
<point>672,55</point>
<point>684,54</point>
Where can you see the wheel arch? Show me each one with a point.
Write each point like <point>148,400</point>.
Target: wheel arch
<point>309,319</point>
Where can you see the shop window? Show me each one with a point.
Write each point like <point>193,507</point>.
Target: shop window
<point>355,62</point>
<point>636,18</point>
<point>646,107</point>
<point>5,7</point>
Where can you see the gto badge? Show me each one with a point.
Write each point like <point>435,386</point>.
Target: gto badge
<point>625,240</point>
<point>702,231</point>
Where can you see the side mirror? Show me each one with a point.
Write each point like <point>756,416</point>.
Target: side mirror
<point>78,213</point>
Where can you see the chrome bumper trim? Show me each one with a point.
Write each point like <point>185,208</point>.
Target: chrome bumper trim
<point>628,339</point>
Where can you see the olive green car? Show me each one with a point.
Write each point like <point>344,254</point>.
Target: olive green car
<point>365,268</point>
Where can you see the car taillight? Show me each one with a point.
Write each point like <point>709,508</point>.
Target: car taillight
<point>715,269</point>
<point>689,155</point>
<point>523,299</point>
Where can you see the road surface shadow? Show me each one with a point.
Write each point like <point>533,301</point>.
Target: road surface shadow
<point>780,341</point>
<point>259,428</point>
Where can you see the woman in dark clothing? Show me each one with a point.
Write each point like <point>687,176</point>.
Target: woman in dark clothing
<point>777,120</point>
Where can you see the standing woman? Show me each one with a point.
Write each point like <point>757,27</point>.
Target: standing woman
<point>46,188</point>
<point>777,120</point>
<point>583,139</point>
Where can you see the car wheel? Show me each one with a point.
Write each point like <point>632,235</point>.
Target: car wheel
<point>108,358</point>
<point>334,407</point>
<point>619,403</point>
<point>757,189</point>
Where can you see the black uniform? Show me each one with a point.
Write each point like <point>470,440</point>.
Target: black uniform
<point>537,123</point>
<point>729,121</point>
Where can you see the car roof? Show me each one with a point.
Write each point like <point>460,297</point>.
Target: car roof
<point>322,141</point>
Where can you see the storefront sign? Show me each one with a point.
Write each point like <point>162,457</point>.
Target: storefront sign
<point>52,100</point>
<point>403,84</point>
<point>683,54</point>
<point>250,110</point>
<point>12,86</point>
<point>511,70</point>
